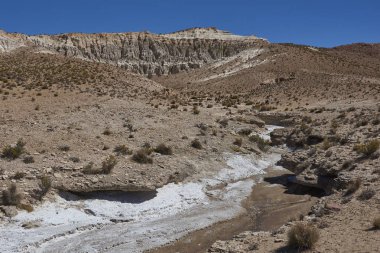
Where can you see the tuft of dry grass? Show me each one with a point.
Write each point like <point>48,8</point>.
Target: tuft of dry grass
<point>368,148</point>
<point>302,236</point>
<point>163,149</point>
<point>142,156</point>
<point>353,186</point>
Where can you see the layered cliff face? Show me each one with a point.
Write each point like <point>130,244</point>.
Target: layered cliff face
<point>144,53</point>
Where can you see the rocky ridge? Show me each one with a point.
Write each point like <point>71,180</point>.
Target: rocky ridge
<point>141,52</point>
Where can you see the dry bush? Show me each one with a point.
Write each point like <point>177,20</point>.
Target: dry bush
<point>64,148</point>
<point>45,185</point>
<point>13,152</point>
<point>366,194</point>
<point>28,159</point>
<point>196,110</point>
<point>108,164</point>
<point>367,148</point>
<point>142,156</point>
<point>89,168</point>
<point>11,196</point>
<point>302,236</point>
<point>238,142</point>
<point>163,149</point>
<point>122,150</point>
<point>353,186</point>
<point>376,223</point>
<point>196,144</point>
<point>262,144</point>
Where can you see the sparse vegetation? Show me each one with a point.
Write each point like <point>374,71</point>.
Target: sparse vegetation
<point>367,148</point>
<point>108,164</point>
<point>376,223</point>
<point>45,185</point>
<point>14,152</point>
<point>64,148</point>
<point>353,186</point>
<point>122,150</point>
<point>28,159</point>
<point>238,142</point>
<point>196,144</point>
<point>142,156</point>
<point>302,236</point>
<point>262,144</point>
<point>367,194</point>
<point>163,149</point>
<point>11,196</point>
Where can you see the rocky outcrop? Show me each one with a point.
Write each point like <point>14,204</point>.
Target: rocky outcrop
<point>143,52</point>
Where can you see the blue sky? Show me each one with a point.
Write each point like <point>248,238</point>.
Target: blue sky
<point>318,22</point>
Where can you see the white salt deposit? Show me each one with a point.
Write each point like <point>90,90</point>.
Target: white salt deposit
<point>176,210</point>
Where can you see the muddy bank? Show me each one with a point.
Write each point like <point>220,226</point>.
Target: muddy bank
<point>271,203</point>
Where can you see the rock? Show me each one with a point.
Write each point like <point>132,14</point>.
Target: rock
<point>31,224</point>
<point>9,211</point>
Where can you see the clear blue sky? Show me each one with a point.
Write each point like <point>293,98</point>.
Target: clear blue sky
<point>313,22</point>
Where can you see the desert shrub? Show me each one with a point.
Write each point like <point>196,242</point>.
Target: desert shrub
<point>122,150</point>
<point>74,159</point>
<point>326,144</point>
<point>26,207</point>
<point>142,156</point>
<point>19,175</point>
<point>28,159</point>
<point>11,196</point>
<point>245,131</point>
<point>45,185</point>
<point>163,149</point>
<point>108,164</point>
<point>89,168</point>
<point>64,148</point>
<point>196,110</point>
<point>376,223</point>
<point>262,144</point>
<point>107,131</point>
<point>353,186</point>
<point>196,144</point>
<point>367,148</point>
<point>302,236</point>
<point>13,152</point>
<point>366,194</point>
<point>238,142</point>
<point>223,122</point>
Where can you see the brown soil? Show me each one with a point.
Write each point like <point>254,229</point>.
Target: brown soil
<point>267,208</point>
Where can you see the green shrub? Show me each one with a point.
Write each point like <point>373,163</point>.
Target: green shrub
<point>11,196</point>
<point>302,236</point>
<point>142,156</point>
<point>163,149</point>
<point>367,148</point>
<point>13,152</point>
